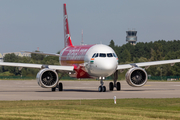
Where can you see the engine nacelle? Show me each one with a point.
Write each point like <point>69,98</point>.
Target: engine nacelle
<point>47,78</point>
<point>136,77</point>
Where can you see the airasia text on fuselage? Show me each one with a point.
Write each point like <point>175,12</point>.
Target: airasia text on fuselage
<point>76,54</point>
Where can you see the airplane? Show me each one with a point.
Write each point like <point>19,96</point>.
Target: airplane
<point>88,61</point>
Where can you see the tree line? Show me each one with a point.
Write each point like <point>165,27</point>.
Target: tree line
<point>151,51</point>
<point>29,72</point>
<point>127,53</point>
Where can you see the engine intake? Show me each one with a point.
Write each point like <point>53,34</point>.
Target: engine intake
<point>136,77</point>
<point>47,78</point>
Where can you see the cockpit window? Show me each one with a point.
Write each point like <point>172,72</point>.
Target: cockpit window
<point>102,55</point>
<point>114,55</point>
<point>109,55</point>
<point>94,55</point>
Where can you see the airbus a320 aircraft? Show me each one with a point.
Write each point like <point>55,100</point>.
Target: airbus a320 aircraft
<point>88,61</point>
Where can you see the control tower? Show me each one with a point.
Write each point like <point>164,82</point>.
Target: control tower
<point>131,37</point>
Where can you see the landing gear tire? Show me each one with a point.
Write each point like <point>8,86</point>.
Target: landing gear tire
<point>104,89</point>
<point>118,86</point>
<point>111,86</point>
<point>100,89</point>
<point>53,89</point>
<point>60,87</point>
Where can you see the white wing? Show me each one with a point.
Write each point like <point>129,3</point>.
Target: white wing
<point>143,64</point>
<point>55,67</point>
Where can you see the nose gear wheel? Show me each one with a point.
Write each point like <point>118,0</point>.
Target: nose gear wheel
<point>101,87</point>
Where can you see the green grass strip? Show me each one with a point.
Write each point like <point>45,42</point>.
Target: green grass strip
<point>125,109</point>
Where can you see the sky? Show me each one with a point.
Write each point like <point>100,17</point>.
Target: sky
<point>28,24</point>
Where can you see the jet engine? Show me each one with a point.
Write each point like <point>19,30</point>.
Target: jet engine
<point>136,77</point>
<point>47,78</point>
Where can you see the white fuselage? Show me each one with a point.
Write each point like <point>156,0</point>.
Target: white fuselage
<point>104,62</point>
<point>90,60</point>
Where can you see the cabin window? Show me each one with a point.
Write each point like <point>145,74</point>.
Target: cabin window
<point>102,55</point>
<point>109,55</point>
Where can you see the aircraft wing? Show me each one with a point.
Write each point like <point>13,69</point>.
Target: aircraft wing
<point>147,64</point>
<point>41,53</point>
<point>28,65</point>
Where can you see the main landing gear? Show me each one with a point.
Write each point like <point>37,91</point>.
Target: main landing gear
<point>59,86</point>
<point>101,87</point>
<point>116,84</point>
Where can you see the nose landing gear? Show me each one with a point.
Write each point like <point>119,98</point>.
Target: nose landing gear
<point>101,87</point>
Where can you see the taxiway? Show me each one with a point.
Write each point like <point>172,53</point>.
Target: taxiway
<point>29,90</point>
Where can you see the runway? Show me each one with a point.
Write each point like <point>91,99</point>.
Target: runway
<point>29,90</point>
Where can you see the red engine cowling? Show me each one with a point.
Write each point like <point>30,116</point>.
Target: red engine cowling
<point>136,77</point>
<point>47,78</point>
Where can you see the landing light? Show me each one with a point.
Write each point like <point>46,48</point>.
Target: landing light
<point>103,78</point>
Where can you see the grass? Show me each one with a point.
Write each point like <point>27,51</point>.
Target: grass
<point>125,109</point>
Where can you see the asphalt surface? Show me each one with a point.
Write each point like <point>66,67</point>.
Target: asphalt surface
<point>30,90</point>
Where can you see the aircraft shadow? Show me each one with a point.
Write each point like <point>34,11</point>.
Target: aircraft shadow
<point>65,90</point>
<point>133,90</point>
<point>82,90</point>
<point>150,90</point>
<point>74,90</point>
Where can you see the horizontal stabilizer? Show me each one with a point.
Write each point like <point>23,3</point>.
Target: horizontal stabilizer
<point>41,53</point>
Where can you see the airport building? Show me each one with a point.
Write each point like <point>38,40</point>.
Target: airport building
<point>131,37</point>
<point>26,54</point>
<point>18,54</point>
<point>1,58</point>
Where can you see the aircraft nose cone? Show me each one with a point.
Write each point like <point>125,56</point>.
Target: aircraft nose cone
<point>106,67</point>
